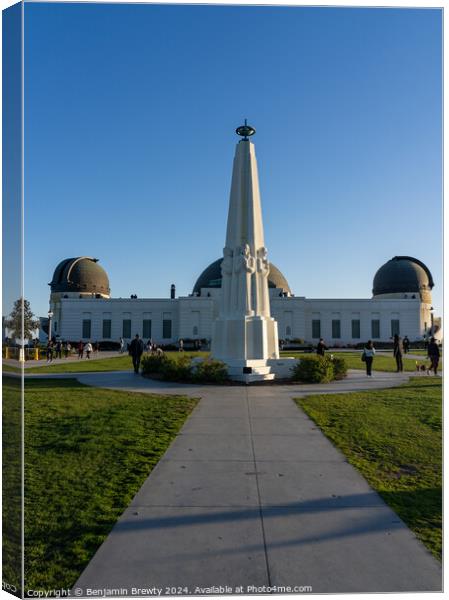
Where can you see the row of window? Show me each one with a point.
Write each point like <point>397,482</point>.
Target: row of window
<point>355,328</point>
<point>126,328</point>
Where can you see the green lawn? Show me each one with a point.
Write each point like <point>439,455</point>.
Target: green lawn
<point>88,451</point>
<point>11,369</point>
<point>353,360</point>
<point>394,439</point>
<point>121,362</point>
<point>12,482</point>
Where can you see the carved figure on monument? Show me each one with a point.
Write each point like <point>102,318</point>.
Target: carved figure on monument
<point>235,280</point>
<point>247,268</point>
<point>263,269</point>
<point>227,265</point>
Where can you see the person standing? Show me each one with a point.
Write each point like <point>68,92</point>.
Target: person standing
<point>88,349</point>
<point>321,347</point>
<point>58,349</point>
<point>181,345</point>
<point>122,345</point>
<point>398,351</point>
<point>368,357</point>
<point>136,351</point>
<point>80,349</point>
<point>433,352</point>
<point>406,344</point>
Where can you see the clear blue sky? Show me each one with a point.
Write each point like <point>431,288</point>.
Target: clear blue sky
<point>129,126</point>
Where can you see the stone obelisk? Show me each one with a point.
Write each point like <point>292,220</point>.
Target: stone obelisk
<point>245,335</point>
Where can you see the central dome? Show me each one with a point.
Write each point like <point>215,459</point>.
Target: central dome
<point>211,278</point>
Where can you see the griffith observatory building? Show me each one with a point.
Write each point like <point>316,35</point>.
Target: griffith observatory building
<point>84,309</point>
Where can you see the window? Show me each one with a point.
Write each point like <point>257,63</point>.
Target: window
<point>394,326</point>
<point>146,329</point>
<point>106,328</point>
<point>375,329</point>
<point>86,328</point>
<point>336,333</point>
<point>316,328</point>
<point>126,333</point>
<point>195,320</point>
<point>355,327</point>
<point>166,328</point>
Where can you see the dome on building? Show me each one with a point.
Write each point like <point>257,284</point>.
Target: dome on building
<point>211,278</point>
<point>83,275</point>
<point>403,275</point>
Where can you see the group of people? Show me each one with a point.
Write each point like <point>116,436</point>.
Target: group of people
<point>57,349</point>
<point>400,347</point>
<point>87,348</point>
<point>150,346</point>
<point>62,349</point>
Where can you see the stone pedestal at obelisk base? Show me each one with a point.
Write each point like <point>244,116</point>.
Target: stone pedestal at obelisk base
<point>245,336</point>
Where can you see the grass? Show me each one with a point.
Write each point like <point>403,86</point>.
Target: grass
<point>393,437</point>
<point>381,363</point>
<point>11,369</point>
<point>121,362</point>
<point>88,451</point>
<point>12,482</point>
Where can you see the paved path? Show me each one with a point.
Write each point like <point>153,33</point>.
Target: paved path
<point>73,358</point>
<point>251,493</point>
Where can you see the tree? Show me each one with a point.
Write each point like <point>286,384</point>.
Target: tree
<point>22,310</point>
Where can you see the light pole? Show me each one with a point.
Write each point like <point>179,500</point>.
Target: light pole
<point>50,315</point>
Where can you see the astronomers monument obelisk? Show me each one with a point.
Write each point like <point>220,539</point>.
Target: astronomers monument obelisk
<point>245,335</point>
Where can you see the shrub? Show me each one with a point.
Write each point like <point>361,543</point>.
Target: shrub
<point>153,363</point>
<point>210,371</point>
<point>340,367</point>
<point>179,369</point>
<point>314,369</point>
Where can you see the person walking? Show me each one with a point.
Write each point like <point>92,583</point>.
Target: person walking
<point>88,349</point>
<point>321,347</point>
<point>398,351</point>
<point>136,351</point>
<point>49,351</point>
<point>122,345</point>
<point>406,344</point>
<point>181,345</point>
<point>80,349</point>
<point>58,349</point>
<point>368,356</point>
<point>433,352</point>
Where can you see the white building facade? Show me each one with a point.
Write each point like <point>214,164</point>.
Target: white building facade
<point>84,310</point>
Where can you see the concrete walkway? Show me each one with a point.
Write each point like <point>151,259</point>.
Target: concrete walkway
<point>252,494</point>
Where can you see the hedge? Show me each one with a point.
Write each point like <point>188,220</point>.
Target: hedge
<point>319,369</point>
<point>181,368</point>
